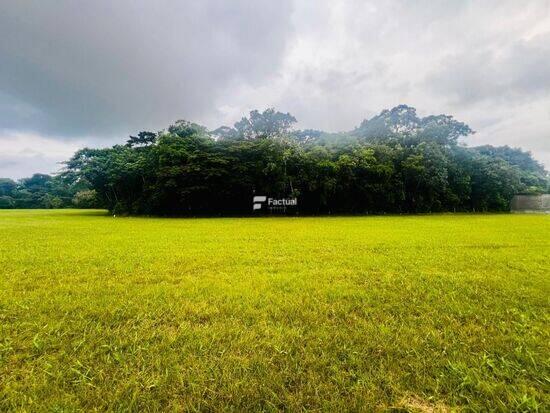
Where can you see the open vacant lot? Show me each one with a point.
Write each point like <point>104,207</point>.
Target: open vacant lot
<point>347,313</point>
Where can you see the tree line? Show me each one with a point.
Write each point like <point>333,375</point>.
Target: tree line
<point>396,162</point>
<point>46,191</point>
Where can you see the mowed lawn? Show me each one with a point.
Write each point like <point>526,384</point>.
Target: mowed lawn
<point>249,314</point>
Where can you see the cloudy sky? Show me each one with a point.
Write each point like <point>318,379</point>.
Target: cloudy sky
<point>89,73</point>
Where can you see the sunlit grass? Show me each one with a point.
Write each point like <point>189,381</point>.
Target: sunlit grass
<point>348,313</point>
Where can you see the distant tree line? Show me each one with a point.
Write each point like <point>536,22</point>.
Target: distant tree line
<point>45,191</point>
<point>396,162</point>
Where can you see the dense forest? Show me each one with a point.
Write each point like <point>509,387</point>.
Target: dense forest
<point>396,162</point>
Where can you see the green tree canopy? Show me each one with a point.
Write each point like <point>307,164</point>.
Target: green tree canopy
<point>395,162</point>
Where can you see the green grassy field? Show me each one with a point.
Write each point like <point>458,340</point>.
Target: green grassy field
<point>347,313</point>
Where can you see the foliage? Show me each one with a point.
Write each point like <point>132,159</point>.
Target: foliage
<point>402,121</point>
<point>532,174</point>
<point>268,124</point>
<point>38,191</point>
<point>400,313</point>
<point>396,162</point>
<point>86,199</point>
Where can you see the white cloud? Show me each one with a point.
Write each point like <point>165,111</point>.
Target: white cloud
<point>22,154</point>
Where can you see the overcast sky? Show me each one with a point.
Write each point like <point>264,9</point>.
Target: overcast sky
<point>89,73</point>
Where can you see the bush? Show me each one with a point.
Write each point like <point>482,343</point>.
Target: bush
<point>86,199</point>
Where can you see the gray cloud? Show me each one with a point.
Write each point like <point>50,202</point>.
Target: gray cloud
<point>93,72</point>
<point>23,154</point>
<point>103,67</point>
<point>511,73</point>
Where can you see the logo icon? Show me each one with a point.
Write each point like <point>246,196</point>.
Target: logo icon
<point>257,202</point>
